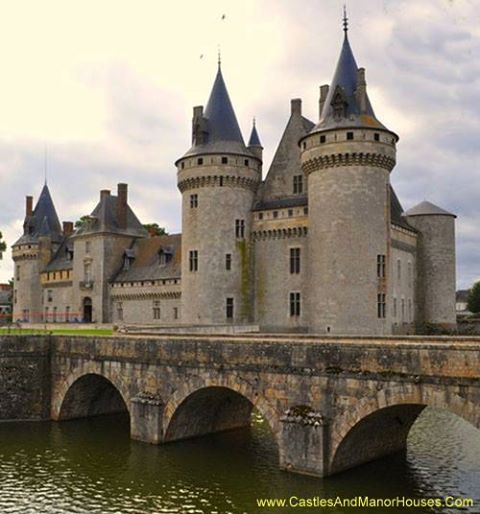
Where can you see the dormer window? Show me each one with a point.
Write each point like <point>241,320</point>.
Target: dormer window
<point>128,259</point>
<point>164,256</point>
<point>339,104</point>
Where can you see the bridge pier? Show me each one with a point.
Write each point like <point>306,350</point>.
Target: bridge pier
<point>146,418</point>
<point>304,442</point>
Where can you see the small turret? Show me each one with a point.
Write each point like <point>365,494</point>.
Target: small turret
<point>435,297</point>
<point>254,144</point>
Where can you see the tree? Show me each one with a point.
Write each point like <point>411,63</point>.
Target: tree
<point>81,222</point>
<point>3,246</point>
<point>154,230</point>
<point>473,301</point>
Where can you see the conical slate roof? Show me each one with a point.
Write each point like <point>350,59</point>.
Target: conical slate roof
<point>224,134</point>
<point>43,221</point>
<point>254,139</point>
<point>427,209</point>
<point>344,82</point>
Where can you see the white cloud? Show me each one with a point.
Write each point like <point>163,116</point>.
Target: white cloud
<point>110,85</point>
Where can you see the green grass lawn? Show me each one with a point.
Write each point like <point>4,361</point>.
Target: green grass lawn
<point>58,331</point>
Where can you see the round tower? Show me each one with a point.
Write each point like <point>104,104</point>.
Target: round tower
<point>218,178</point>
<point>348,157</point>
<point>42,234</point>
<point>435,291</point>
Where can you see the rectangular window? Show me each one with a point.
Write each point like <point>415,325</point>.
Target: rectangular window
<point>349,136</point>
<point>410,310</point>
<point>305,210</point>
<point>199,161</point>
<point>120,311</point>
<point>228,261</point>
<point>399,269</point>
<point>240,229</point>
<point>49,295</point>
<point>323,139</point>
<point>46,316</point>
<point>376,136</point>
<point>260,216</point>
<point>246,162</point>
<point>403,310</point>
<point>193,260</point>
<point>381,306</point>
<point>380,266</point>
<point>156,309</point>
<point>67,313</point>
<point>87,246</point>
<point>229,308</point>
<point>224,160</point>
<point>87,272</point>
<point>297,184</point>
<point>275,214</point>
<point>294,260</point>
<point>294,304</point>
<point>394,307</point>
<point>54,317</point>
<point>193,201</point>
<point>18,272</point>
<point>175,313</point>
<point>290,213</point>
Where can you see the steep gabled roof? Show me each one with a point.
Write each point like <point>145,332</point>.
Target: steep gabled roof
<point>43,221</point>
<point>286,161</point>
<point>104,219</point>
<point>396,212</point>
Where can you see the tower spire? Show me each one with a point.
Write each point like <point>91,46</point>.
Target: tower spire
<point>45,163</point>
<point>345,20</point>
<point>219,57</point>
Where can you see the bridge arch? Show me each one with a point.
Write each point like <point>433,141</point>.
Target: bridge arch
<point>89,392</point>
<point>389,417</point>
<point>197,408</point>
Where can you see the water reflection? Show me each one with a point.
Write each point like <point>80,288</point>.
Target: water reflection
<point>91,466</point>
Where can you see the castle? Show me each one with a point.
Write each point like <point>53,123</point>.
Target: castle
<point>321,244</point>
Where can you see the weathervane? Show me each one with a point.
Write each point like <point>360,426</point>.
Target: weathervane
<point>345,19</point>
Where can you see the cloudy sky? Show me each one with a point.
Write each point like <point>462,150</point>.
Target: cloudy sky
<point>108,87</point>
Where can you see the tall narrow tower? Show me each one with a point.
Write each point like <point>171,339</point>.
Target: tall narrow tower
<point>348,157</point>
<point>42,235</point>
<point>218,178</point>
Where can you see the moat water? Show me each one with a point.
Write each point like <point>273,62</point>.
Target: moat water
<point>91,466</point>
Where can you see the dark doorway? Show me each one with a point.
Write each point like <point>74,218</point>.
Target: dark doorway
<point>87,310</point>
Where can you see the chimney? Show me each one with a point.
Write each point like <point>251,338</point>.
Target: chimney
<point>361,91</point>
<point>122,202</point>
<point>296,106</point>
<point>29,205</point>
<point>104,193</point>
<point>199,126</point>
<point>323,97</point>
<point>67,228</point>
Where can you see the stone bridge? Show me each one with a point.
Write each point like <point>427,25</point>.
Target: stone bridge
<point>332,403</point>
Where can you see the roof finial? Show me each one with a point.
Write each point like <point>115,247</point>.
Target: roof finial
<point>254,121</point>
<point>45,162</point>
<point>219,57</point>
<point>345,19</point>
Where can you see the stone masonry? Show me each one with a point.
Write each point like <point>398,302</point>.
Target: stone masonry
<point>323,398</point>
